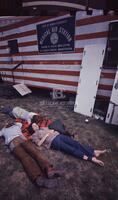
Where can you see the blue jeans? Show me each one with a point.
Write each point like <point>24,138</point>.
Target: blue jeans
<point>72,147</point>
<point>8,110</point>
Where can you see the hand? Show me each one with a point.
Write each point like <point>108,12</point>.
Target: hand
<point>35,127</point>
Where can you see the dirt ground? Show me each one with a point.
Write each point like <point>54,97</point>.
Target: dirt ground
<point>83,180</point>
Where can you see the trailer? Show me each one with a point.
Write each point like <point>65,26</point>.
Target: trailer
<point>84,61</point>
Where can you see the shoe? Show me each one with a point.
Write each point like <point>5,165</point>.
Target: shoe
<point>55,173</point>
<point>46,183</point>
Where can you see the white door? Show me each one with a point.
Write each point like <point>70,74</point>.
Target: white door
<point>89,79</point>
<point>112,113</point>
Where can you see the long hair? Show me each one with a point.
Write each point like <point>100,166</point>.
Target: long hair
<point>35,119</point>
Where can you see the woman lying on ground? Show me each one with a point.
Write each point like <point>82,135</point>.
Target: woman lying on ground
<point>54,140</point>
<point>35,164</point>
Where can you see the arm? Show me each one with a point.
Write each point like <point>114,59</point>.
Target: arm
<point>42,140</point>
<point>35,127</point>
<point>39,137</point>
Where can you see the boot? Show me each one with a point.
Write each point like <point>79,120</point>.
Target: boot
<point>46,183</point>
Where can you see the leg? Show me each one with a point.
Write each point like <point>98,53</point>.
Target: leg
<point>39,157</point>
<point>8,110</point>
<point>30,166</point>
<point>87,150</point>
<point>32,169</point>
<point>97,153</point>
<point>59,144</point>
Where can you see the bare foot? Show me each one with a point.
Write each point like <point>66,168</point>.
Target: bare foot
<point>97,153</point>
<point>98,162</point>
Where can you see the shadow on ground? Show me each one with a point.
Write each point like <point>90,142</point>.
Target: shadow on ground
<point>83,180</point>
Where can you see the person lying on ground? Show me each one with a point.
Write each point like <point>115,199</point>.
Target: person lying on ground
<point>56,125</point>
<point>31,117</point>
<point>54,140</point>
<point>37,167</point>
<point>18,112</point>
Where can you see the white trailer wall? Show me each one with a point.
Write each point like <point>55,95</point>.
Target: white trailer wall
<point>57,70</point>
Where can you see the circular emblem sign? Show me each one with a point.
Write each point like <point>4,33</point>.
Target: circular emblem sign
<point>54,38</point>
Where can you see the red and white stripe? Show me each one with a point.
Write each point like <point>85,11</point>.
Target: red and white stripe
<point>54,70</point>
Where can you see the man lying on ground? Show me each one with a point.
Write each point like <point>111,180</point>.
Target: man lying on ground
<point>31,117</point>
<point>18,112</point>
<point>39,170</point>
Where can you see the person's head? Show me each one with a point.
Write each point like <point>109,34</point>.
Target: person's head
<point>36,119</point>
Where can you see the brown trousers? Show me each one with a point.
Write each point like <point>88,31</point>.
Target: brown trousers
<point>31,158</point>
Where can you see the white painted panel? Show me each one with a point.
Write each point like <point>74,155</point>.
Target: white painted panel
<point>106,81</point>
<point>54,67</point>
<point>46,67</point>
<point>4,51</point>
<point>112,113</point>
<point>83,43</point>
<point>109,70</point>
<point>114,95</point>
<point>92,28</point>
<point>5,66</point>
<point>28,27</point>
<point>46,76</point>
<point>2,43</point>
<point>5,59</point>
<point>115,116</point>
<point>82,14</point>
<point>89,79</point>
<point>47,85</point>
<point>106,93</point>
<point>33,26</point>
<point>11,31</point>
<point>31,48</point>
<point>27,38</point>
<point>71,56</point>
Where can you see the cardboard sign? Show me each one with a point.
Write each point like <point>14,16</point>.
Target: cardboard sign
<point>22,89</point>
